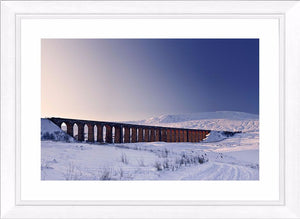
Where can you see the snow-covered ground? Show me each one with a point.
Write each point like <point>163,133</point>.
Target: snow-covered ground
<point>217,158</point>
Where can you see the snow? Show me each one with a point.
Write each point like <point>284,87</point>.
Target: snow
<point>50,131</point>
<point>218,157</point>
<point>218,121</point>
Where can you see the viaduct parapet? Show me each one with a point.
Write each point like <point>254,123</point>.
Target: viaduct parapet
<point>128,133</point>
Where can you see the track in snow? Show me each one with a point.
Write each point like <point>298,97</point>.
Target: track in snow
<point>215,171</point>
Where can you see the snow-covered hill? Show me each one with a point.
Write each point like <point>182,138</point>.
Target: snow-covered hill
<point>50,131</point>
<point>218,121</point>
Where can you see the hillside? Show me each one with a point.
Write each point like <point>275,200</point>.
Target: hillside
<point>50,131</point>
<point>218,121</point>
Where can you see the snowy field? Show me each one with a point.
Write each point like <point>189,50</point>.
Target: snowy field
<point>216,158</point>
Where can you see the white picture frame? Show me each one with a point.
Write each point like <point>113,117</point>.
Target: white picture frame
<point>288,15</point>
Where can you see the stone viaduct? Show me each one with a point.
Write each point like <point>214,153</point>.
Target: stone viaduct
<point>128,133</point>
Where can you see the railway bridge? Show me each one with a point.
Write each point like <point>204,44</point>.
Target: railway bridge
<point>128,133</point>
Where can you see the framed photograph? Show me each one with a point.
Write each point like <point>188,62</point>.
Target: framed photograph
<point>150,109</point>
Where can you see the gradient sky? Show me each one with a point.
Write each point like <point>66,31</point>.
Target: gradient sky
<point>132,79</point>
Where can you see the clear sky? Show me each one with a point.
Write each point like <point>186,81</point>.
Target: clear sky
<point>132,79</point>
